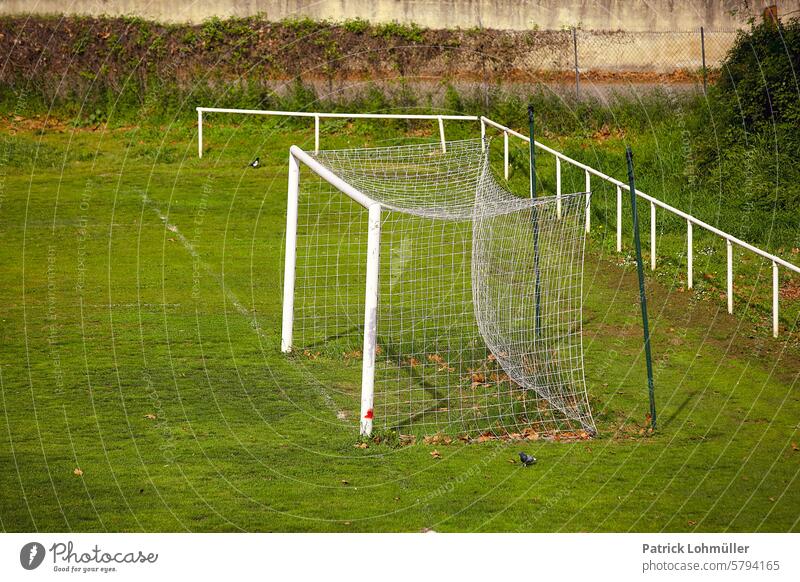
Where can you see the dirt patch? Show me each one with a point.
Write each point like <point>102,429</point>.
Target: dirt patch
<point>790,290</point>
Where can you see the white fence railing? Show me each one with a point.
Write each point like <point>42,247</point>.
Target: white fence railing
<point>440,119</point>
<point>654,203</point>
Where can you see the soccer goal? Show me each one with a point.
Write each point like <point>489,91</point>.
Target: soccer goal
<point>460,300</point>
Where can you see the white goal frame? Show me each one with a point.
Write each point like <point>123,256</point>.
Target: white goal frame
<point>296,156</point>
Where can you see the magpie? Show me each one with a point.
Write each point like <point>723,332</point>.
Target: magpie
<point>527,460</point>
<point>255,163</point>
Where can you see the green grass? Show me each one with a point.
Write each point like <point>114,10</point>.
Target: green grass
<point>109,315</point>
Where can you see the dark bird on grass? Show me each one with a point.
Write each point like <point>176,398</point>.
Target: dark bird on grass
<point>255,163</point>
<point>526,459</point>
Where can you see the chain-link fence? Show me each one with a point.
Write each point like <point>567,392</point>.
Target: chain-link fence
<point>595,57</point>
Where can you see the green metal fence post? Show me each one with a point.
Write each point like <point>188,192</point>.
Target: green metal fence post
<point>535,218</point>
<point>642,295</point>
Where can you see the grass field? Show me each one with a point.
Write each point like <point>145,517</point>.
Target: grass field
<point>142,387</point>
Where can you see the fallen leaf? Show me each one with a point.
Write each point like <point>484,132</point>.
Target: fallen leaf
<point>150,416</point>
<point>436,454</point>
<point>345,482</point>
<point>691,522</point>
<point>477,379</point>
<point>361,445</point>
<point>407,439</point>
<point>795,447</point>
<point>78,472</point>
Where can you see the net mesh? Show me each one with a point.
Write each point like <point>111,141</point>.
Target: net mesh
<point>479,309</point>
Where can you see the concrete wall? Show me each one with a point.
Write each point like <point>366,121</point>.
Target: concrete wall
<point>632,15</point>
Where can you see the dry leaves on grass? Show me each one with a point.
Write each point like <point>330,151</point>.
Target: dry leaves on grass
<point>477,379</point>
<point>437,439</point>
<point>442,366</point>
<point>407,439</point>
<point>436,454</point>
<point>150,416</point>
<point>790,290</point>
<point>361,445</point>
<point>78,472</point>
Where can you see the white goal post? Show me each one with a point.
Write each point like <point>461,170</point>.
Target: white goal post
<point>465,298</point>
<point>297,155</point>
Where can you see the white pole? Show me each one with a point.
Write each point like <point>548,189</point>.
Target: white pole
<point>558,187</point>
<point>370,319</point>
<point>483,135</point>
<point>775,292</point>
<point>199,133</point>
<point>588,201</point>
<point>441,135</point>
<point>730,275</point>
<point>652,237</point>
<point>316,134</point>
<point>619,219</point>
<point>291,254</point>
<point>505,154</point>
<point>689,254</point>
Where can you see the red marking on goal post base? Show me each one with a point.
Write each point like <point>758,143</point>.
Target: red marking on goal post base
<point>369,414</point>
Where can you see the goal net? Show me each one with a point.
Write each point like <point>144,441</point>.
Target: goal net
<point>457,301</point>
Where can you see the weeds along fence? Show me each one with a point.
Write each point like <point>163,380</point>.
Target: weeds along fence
<point>110,64</point>
<point>561,159</point>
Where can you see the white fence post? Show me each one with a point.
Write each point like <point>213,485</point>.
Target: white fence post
<point>588,201</point>
<point>730,274</point>
<point>316,134</point>
<point>652,237</point>
<point>689,255</point>
<point>483,135</point>
<point>370,319</point>
<point>291,254</point>
<point>199,133</point>
<point>505,154</point>
<point>775,293</point>
<point>558,187</point>
<point>619,219</point>
<point>441,135</point>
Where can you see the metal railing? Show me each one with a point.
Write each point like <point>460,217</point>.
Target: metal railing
<point>440,119</point>
<point>654,203</point>
<point>691,221</point>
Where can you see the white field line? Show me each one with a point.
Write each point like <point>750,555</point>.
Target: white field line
<point>231,296</point>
